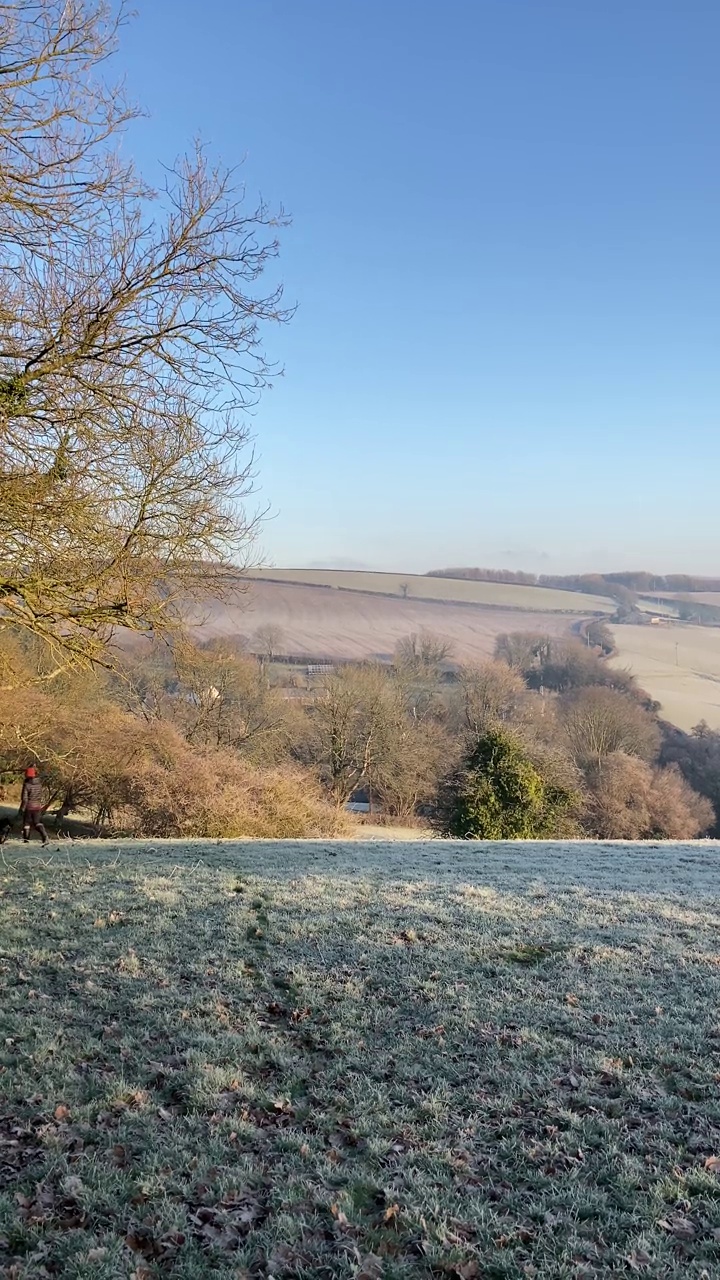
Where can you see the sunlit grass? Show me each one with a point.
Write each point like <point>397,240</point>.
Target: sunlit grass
<point>346,1060</point>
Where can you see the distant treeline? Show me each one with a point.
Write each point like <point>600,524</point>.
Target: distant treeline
<point>639,581</point>
<point>707,615</point>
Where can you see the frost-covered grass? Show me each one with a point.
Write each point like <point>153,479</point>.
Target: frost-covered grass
<point>385,1060</point>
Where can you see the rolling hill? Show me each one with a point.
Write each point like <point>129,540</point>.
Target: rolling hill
<point>351,616</point>
<point>338,614</point>
<point>457,590</point>
<point>679,665</point>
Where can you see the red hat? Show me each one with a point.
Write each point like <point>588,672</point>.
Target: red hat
<point>30,773</point>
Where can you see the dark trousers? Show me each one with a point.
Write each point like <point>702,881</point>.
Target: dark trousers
<point>32,818</point>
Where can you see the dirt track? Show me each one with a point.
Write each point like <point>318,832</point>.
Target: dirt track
<point>347,624</point>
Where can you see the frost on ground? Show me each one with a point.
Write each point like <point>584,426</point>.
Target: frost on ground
<point>385,1060</point>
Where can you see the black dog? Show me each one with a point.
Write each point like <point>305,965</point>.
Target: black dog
<point>5,830</point>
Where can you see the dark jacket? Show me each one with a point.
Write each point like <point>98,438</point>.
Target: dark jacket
<point>32,794</point>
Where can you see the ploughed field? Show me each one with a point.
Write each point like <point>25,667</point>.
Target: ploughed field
<point>372,1060</point>
<point>346,624</point>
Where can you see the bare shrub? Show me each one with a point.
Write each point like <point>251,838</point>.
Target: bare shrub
<point>601,721</point>
<point>487,693</point>
<point>630,800</point>
<point>186,793</point>
<point>422,654</point>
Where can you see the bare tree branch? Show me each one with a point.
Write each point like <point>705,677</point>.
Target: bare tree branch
<point>131,330</point>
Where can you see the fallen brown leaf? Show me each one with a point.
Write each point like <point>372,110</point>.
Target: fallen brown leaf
<point>681,1228</point>
<point>638,1260</point>
<point>371,1268</point>
<point>467,1270</point>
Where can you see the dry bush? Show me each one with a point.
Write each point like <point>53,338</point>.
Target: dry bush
<point>282,804</point>
<point>173,790</point>
<point>630,800</point>
<point>491,692</point>
<point>416,754</point>
<point>26,715</point>
<point>143,778</point>
<point>223,701</point>
<point>422,653</point>
<point>678,812</point>
<point>600,721</point>
<point>697,756</point>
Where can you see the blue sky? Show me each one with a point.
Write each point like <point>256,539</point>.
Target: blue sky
<point>506,256</point>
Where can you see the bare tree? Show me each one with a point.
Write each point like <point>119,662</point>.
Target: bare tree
<point>600,721</point>
<point>522,649</point>
<point>422,653</point>
<point>489,693</point>
<point>223,701</point>
<point>130,343</point>
<point>351,721</point>
<point>415,755</point>
<point>267,641</point>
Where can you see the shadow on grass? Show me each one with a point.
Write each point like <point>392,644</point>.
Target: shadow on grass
<point>212,1067</point>
<point>72,828</point>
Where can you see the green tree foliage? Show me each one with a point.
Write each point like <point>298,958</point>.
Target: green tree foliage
<point>500,794</point>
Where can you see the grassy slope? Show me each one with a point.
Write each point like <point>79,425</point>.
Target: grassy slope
<point>335,1061</point>
<point>356,624</point>
<point>499,594</point>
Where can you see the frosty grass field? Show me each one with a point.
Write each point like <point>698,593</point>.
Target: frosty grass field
<point>678,665</point>
<point>369,1060</point>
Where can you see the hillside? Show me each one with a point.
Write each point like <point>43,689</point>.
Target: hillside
<point>374,1061</point>
<point>424,587</point>
<point>338,614</point>
<point>679,665</point>
<point>318,622</point>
